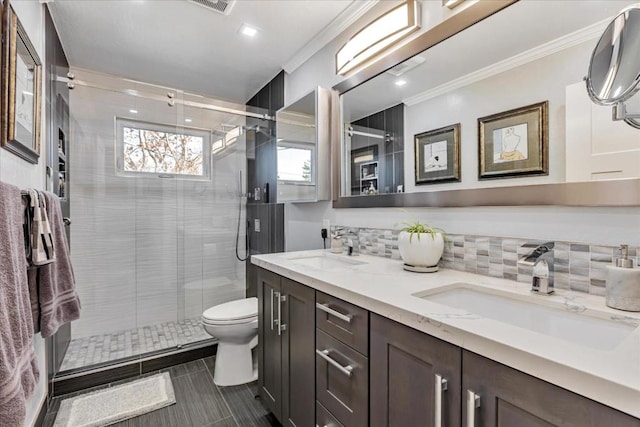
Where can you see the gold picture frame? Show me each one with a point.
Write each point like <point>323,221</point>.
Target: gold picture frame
<point>21,89</point>
<point>514,143</point>
<point>437,155</point>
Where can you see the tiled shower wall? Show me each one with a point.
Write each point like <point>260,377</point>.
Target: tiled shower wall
<point>578,266</point>
<point>147,250</point>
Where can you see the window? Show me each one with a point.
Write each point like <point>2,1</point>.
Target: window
<point>162,150</point>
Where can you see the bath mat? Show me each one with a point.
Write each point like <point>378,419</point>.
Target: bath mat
<point>117,403</point>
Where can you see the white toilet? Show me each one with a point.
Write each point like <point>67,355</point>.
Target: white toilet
<point>235,324</point>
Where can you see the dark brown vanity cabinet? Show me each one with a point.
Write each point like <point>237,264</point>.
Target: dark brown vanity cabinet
<point>326,362</point>
<point>415,378</point>
<point>408,370</point>
<point>286,337</point>
<point>497,395</point>
<point>342,363</point>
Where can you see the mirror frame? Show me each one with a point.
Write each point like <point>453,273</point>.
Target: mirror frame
<point>623,192</point>
<point>12,30</point>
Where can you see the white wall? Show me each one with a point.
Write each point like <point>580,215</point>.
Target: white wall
<point>582,224</point>
<point>16,171</point>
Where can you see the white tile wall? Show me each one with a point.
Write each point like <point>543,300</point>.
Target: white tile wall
<point>148,250</point>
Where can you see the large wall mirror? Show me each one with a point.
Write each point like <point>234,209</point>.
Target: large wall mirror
<point>502,102</point>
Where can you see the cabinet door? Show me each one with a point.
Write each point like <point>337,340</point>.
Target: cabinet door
<point>269,342</point>
<point>298,354</point>
<point>408,374</point>
<point>508,397</point>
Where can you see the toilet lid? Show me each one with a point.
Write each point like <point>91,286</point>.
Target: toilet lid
<point>233,310</point>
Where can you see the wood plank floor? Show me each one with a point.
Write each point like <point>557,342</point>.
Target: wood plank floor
<point>199,402</point>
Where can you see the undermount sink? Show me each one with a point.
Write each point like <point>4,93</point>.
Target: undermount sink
<point>327,262</point>
<point>564,322</point>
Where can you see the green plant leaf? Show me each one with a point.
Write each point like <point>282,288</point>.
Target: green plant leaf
<point>416,227</point>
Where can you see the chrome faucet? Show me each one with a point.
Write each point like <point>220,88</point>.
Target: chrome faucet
<point>541,259</point>
<point>351,249</point>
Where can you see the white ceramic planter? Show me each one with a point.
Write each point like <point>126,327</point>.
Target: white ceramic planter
<point>424,251</point>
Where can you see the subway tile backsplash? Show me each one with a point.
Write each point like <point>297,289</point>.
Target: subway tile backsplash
<point>578,266</point>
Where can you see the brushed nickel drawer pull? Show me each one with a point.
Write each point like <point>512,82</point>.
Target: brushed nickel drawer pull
<point>473,403</point>
<point>440,387</point>
<point>281,327</point>
<point>347,370</point>
<point>271,310</point>
<point>325,307</point>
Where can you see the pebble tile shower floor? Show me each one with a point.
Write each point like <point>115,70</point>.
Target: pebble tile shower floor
<point>97,349</point>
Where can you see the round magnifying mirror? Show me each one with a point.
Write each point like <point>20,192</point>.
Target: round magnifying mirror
<point>614,71</point>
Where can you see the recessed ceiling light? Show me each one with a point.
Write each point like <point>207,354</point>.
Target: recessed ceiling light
<point>401,82</point>
<point>188,120</point>
<point>133,111</point>
<point>248,30</point>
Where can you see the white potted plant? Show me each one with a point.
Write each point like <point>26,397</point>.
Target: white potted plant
<point>421,246</point>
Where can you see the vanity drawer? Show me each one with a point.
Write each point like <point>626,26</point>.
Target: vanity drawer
<point>324,417</point>
<point>342,381</point>
<point>344,321</point>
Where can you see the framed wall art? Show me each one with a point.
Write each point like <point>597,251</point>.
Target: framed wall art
<point>438,155</point>
<point>21,89</point>
<point>514,143</point>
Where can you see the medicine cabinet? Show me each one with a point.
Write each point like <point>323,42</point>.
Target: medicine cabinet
<point>303,149</point>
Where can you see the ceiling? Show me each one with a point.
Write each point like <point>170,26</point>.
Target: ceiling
<point>183,45</point>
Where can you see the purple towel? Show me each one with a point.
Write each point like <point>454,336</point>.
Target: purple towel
<point>18,366</point>
<point>54,300</point>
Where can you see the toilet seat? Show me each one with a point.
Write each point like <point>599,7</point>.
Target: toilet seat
<point>233,312</point>
<point>229,322</point>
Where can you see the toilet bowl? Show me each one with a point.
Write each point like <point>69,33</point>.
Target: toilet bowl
<point>235,324</point>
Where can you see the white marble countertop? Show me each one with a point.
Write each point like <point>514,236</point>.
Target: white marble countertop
<point>380,285</point>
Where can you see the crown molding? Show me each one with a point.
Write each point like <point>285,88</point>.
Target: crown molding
<point>565,42</point>
<point>346,18</point>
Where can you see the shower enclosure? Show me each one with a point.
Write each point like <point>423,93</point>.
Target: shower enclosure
<point>156,202</point>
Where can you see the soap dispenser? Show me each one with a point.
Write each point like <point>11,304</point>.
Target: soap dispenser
<point>336,243</point>
<point>623,283</point>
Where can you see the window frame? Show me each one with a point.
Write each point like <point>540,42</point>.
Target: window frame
<point>205,134</point>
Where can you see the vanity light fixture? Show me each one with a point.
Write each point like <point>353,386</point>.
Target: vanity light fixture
<point>401,83</point>
<point>133,111</point>
<point>188,120</point>
<point>378,36</point>
<point>248,30</point>
<point>452,3</point>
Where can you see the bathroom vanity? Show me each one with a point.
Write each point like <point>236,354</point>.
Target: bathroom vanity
<point>390,347</point>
